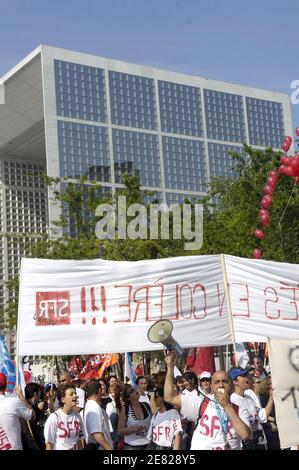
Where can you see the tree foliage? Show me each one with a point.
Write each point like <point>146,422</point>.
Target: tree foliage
<point>231,215</point>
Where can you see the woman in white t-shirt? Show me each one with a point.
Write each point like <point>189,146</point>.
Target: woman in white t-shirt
<point>165,429</point>
<point>134,420</point>
<point>64,427</point>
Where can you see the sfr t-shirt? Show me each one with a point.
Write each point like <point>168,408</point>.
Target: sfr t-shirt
<point>11,409</point>
<point>63,430</point>
<point>208,434</point>
<point>164,427</point>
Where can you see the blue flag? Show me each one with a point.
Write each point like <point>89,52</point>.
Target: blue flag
<point>7,367</point>
<point>129,372</point>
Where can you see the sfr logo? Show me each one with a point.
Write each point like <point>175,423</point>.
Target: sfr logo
<point>53,308</point>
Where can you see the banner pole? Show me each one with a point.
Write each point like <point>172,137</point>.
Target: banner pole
<point>52,373</point>
<point>229,308</point>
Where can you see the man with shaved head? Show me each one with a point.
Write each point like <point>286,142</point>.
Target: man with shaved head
<point>220,424</point>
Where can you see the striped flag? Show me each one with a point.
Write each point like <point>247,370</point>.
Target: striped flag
<point>7,367</point>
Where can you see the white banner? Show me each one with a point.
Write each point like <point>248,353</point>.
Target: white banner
<point>264,298</point>
<point>96,306</point>
<point>284,361</point>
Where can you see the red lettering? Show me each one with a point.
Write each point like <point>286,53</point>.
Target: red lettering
<point>94,308</point>
<point>204,427</point>
<point>128,305</point>
<point>202,289</point>
<point>220,303</point>
<point>292,302</point>
<point>190,300</point>
<point>268,314</point>
<point>167,433</point>
<point>63,429</point>
<point>83,299</point>
<point>103,298</point>
<point>243,299</point>
<point>144,301</point>
<point>214,425</point>
<point>52,308</point>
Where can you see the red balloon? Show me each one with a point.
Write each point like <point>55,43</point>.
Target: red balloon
<point>259,234</point>
<point>288,138</point>
<point>264,219</point>
<point>257,253</point>
<point>268,189</point>
<point>282,168</point>
<point>295,165</point>
<point>27,376</point>
<point>266,201</point>
<point>272,180</point>
<point>264,212</point>
<point>286,146</point>
<point>297,131</point>
<point>289,171</point>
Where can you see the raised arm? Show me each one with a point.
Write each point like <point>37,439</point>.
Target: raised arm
<point>169,394</point>
<point>239,426</point>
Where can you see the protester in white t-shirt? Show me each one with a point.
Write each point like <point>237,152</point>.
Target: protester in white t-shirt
<point>96,421</point>
<point>240,380</point>
<point>11,410</point>
<point>66,379</point>
<point>220,424</point>
<point>165,428</point>
<point>141,384</point>
<point>205,384</point>
<point>64,427</point>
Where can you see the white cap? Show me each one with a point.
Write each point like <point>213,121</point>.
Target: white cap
<point>205,375</point>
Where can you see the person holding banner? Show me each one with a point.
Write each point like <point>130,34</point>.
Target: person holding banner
<point>11,410</point>
<point>221,425</point>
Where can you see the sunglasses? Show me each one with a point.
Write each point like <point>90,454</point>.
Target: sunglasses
<point>205,380</point>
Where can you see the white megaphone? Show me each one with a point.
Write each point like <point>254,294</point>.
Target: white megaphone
<point>160,332</point>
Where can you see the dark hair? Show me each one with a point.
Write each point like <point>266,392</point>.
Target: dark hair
<point>105,382</point>
<point>191,377</point>
<point>178,378</point>
<point>31,389</point>
<point>116,388</point>
<point>92,388</point>
<point>160,393</point>
<point>140,377</point>
<point>62,391</point>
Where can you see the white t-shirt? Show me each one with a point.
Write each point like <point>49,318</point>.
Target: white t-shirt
<point>64,431</point>
<point>80,397</point>
<point>164,427</point>
<point>96,420</point>
<point>11,409</point>
<point>261,411</point>
<point>252,412</point>
<point>208,434</point>
<point>144,398</point>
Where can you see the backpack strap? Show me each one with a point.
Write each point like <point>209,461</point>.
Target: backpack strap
<point>202,409</point>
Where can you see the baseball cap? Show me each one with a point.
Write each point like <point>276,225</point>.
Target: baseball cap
<point>3,380</point>
<point>49,385</point>
<point>235,372</point>
<point>205,375</point>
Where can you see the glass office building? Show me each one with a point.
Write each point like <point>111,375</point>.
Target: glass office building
<point>70,114</point>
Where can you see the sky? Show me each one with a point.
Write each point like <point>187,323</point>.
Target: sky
<point>253,43</point>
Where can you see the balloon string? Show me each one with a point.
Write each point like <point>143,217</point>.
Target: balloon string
<point>287,204</point>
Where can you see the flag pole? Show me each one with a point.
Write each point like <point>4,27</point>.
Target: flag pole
<point>229,308</point>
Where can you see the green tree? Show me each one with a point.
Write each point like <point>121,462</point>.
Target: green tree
<point>229,227</point>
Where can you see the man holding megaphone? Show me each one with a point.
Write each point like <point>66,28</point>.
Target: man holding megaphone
<point>220,424</point>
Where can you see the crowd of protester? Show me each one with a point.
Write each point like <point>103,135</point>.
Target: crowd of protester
<point>226,410</point>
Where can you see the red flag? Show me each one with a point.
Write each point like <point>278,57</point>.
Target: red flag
<point>75,365</point>
<point>109,361</point>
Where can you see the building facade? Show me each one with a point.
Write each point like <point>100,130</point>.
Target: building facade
<point>67,114</point>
